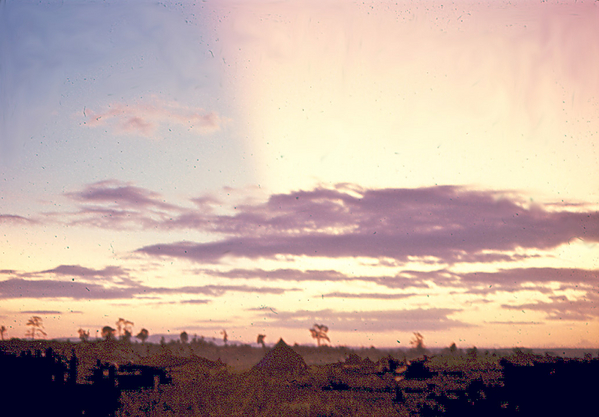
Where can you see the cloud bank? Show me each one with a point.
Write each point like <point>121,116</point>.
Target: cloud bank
<point>449,223</point>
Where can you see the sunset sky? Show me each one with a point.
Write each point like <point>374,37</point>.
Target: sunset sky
<point>382,168</point>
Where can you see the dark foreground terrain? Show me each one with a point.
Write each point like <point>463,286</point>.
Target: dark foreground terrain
<point>104,378</point>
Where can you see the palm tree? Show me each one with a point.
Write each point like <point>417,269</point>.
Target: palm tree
<point>260,340</point>
<point>37,325</point>
<point>2,330</point>
<point>108,333</point>
<point>319,332</point>
<point>143,335</point>
<point>83,335</point>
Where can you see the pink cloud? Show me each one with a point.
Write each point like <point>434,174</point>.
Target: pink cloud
<point>145,118</point>
<point>139,125</point>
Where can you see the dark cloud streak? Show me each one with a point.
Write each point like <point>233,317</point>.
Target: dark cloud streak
<point>38,289</point>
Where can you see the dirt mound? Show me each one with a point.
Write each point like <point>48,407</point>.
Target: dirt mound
<point>281,360</point>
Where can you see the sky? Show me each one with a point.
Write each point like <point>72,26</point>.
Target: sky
<point>382,168</point>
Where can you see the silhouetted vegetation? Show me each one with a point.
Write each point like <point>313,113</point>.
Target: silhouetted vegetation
<point>108,333</point>
<point>319,332</point>
<point>37,327</point>
<point>225,336</point>
<point>417,343</point>
<point>205,378</point>
<point>83,335</point>
<point>143,335</point>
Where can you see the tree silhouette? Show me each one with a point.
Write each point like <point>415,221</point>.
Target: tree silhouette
<point>143,335</point>
<point>126,337</point>
<point>184,337</point>
<point>37,326</point>
<point>319,332</point>
<point>225,336</point>
<point>108,333</point>
<point>418,343</point>
<point>260,340</point>
<point>2,330</point>
<point>472,352</point>
<point>453,349</point>
<point>119,325</point>
<point>123,326</point>
<point>83,335</point>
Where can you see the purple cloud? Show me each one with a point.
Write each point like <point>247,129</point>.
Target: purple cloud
<point>195,301</point>
<point>533,275</point>
<point>114,204</point>
<point>119,194</point>
<point>447,223</point>
<point>83,272</point>
<point>515,279</point>
<point>42,312</point>
<point>477,283</point>
<point>562,308</point>
<point>407,279</point>
<point>452,224</point>
<point>14,219</point>
<point>366,296</point>
<point>24,288</point>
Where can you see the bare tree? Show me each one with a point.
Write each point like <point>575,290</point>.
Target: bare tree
<point>2,331</point>
<point>37,326</point>
<point>83,335</point>
<point>143,335</point>
<point>108,333</point>
<point>260,340</point>
<point>319,332</point>
<point>119,326</point>
<point>418,343</point>
<point>123,326</point>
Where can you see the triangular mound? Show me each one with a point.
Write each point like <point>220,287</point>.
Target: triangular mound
<point>281,360</point>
